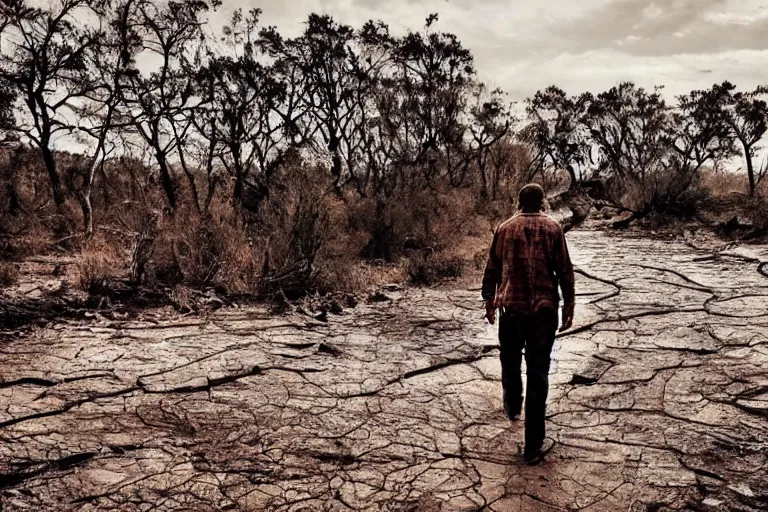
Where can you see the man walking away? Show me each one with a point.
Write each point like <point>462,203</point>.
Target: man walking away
<point>528,261</point>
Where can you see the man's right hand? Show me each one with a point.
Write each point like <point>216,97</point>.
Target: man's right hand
<point>567,317</point>
<point>490,312</point>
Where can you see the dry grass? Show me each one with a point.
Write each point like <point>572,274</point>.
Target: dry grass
<point>28,223</point>
<point>22,239</point>
<point>729,200</point>
<point>721,183</point>
<point>429,220</point>
<point>306,237</point>
<point>421,235</point>
<point>100,260</point>
<point>205,250</point>
<point>434,268</point>
<point>9,274</point>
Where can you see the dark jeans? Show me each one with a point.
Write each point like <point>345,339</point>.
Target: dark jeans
<point>535,333</point>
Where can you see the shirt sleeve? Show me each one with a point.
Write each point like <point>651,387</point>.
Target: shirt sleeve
<point>564,269</point>
<point>492,274</point>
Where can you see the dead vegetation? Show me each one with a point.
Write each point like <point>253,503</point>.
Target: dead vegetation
<point>237,169</point>
<point>304,240</point>
<point>9,274</point>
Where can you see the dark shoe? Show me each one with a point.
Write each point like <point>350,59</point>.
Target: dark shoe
<point>534,456</point>
<point>512,410</point>
<point>512,414</point>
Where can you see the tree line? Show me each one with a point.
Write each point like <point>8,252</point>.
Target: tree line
<point>383,113</point>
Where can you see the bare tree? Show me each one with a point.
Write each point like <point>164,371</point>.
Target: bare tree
<point>209,149</point>
<point>746,113</point>
<point>434,76</point>
<point>44,65</point>
<point>324,55</point>
<point>252,109</point>
<point>161,105</point>
<point>628,124</point>
<point>371,62</point>
<point>556,132</point>
<point>98,113</point>
<point>382,132</point>
<point>491,123</point>
<point>699,134</point>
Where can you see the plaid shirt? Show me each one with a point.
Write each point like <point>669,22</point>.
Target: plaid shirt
<point>528,259</point>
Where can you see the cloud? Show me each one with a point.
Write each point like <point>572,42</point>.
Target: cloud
<point>525,45</point>
<point>647,28</point>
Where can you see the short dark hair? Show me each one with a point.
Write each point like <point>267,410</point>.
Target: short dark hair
<point>531,198</point>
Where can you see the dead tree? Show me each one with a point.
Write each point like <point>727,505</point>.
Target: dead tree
<point>746,114</point>
<point>160,106</point>
<point>556,133</point>
<point>44,65</point>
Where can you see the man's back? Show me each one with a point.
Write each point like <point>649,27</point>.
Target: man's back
<point>528,260</point>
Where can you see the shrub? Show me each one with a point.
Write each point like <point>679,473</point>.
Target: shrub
<point>662,195</point>
<point>432,268</point>
<point>294,271</point>
<point>196,250</point>
<point>99,261</point>
<point>304,234</point>
<point>211,249</point>
<point>384,223</point>
<point>757,211</point>
<point>670,204</point>
<point>428,220</point>
<point>9,274</point>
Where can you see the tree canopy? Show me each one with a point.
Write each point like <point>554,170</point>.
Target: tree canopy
<point>222,113</point>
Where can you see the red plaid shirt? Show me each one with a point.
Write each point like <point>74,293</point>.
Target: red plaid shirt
<point>528,260</point>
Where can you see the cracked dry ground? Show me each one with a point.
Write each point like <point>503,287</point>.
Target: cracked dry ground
<point>659,401</point>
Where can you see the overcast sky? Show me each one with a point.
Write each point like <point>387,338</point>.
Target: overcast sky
<point>525,45</point>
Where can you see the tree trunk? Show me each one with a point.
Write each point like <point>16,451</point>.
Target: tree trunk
<point>192,187</point>
<point>241,173</point>
<point>336,170</point>
<point>106,197</point>
<point>336,163</point>
<point>212,183</point>
<point>574,181</point>
<point>59,196</point>
<point>143,250</point>
<point>167,181</point>
<point>238,193</point>
<point>189,174</point>
<point>750,171</point>
<point>495,183</point>
<point>87,208</point>
<point>85,200</point>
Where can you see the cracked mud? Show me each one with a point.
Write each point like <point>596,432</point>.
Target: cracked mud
<point>659,401</point>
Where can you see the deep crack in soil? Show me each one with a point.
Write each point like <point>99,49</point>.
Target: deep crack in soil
<point>659,402</point>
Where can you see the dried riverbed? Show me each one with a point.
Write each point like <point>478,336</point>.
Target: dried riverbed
<point>659,401</point>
